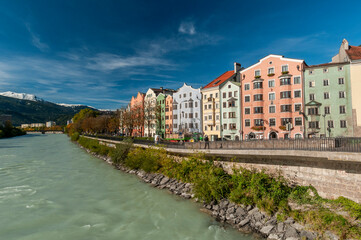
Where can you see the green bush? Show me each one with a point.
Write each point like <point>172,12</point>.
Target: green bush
<point>75,136</point>
<point>258,188</point>
<point>149,159</point>
<point>94,146</point>
<point>120,153</point>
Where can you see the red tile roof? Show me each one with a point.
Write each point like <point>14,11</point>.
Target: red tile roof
<point>354,53</point>
<point>219,80</point>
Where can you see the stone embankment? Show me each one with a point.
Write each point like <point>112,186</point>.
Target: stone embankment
<point>247,219</point>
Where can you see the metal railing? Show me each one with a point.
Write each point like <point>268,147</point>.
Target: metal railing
<point>342,144</point>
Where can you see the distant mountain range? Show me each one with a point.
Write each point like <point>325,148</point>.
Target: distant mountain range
<point>27,108</point>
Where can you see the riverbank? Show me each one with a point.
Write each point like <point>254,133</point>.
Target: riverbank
<point>9,132</point>
<point>273,221</point>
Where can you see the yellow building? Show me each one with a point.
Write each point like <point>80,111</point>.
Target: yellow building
<point>211,104</point>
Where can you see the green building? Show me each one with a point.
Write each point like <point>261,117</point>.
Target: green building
<point>160,115</point>
<point>327,98</point>
<point>230,102</point>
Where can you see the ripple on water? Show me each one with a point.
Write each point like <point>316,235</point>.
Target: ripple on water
<point>16,192</point>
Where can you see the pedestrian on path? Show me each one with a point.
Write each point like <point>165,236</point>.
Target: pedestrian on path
<point>206,140</point>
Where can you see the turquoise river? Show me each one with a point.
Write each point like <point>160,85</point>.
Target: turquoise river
<point>51,189</point>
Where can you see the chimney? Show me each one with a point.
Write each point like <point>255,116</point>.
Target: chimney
<point>237,67</point>
<point>161,88</point>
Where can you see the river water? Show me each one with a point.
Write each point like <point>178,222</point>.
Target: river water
<point>51,189</point>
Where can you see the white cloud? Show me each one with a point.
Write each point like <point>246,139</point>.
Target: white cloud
<point>187,28</point>
<point>35,39</point>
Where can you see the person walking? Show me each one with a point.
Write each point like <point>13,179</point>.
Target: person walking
<point>156,139</point>
<point>206,140</point>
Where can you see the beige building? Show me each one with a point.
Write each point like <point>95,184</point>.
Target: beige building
<point>352,54</point>
<point>211,103</point>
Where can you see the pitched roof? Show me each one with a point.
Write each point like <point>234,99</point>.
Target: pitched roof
<point>219,80</point>
<point>354,52</point>
<point>326,64</point>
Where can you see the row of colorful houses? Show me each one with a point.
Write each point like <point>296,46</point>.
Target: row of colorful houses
<point>276,97</point>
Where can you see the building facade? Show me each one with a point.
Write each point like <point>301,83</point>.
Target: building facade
<point>272,98</point>
<point>169,116</point>
<point>328,100</point>
<point>352,55</point>
<point>230,113</point>
<point>160,115</point>
<point>187,111</point>
<point>137,108</point>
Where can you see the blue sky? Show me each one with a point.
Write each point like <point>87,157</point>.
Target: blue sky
<point>100,53</point>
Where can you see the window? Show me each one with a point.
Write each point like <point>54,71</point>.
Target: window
<point>224,95</point>
<point>285,68</point>
<point>272,122</point>
<point>342,109</point>
<point>216,95</point>
<point>272,109</point>
<point>257,85</point>
<point>247,111</point>
<point>271,70</point>
<point>325,70</point>
<point>209,117</point>
<point>325,82</point>
<point>175,107</point>
<point>297,93</point>
<point>247,123</point>
<point>232,126</point>
<point>312,97</point>
<point>298,121</point>
<point>235,94</point>
<point>224,126</point>
<point>205,118</point>
<point>326,95</point>
<point>340,68</point>
<point>257,73</point>
<point>297,80</point>
<point>196,115</point>
<point>190,94</point>
<point>297,107</point>
<point>286,94</point>
<point>313,111</point>
<point>327,110</point>
<point>205,107</point>
<point>271,83</point>
<point>258,122</point>
<point>205,96</point>
<point>246,86</point>
<point>186,115</point>
<point>196,104</point>
<point>190,115</point>
<point>217,117</point>
<point>341,94</point>
<point>217,106</point>
<point>257,110</point>
<point>341,81</point>
<point>271,96</point>
<point>284,121</point>
<point>330,123</point>
<point>190,105</point>
<point>184,95</point>
<point>229,94</point>
<point>285,81</point>
<point>312,84</point>
<point>231,104</point>
<point>224,104</point>
<point>231,115</point>
<point>190,125</point>
<point>185,105</point>
<point>314,124</point>
<point>229,86</point>
<point>343,123</point>
<point>217,127</point>
<point>209,106</point>
<point>286,108</point>
<point>225,115</point>
<point>175,125</point>
<point>175,116</point>
<point>258,97</point>
<point>205,128</point>
<point>247,98</point>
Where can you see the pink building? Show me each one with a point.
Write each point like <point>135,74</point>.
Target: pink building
<point>272,96</point>
<point>137,108</point>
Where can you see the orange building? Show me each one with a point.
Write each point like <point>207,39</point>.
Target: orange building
<point>137,109</point>
<point>169,116</point>
<point>272,97</point>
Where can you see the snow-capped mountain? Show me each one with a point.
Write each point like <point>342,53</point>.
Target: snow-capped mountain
<point>22,96</point>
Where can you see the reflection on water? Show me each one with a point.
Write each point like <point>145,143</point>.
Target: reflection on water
<point>51,189</point>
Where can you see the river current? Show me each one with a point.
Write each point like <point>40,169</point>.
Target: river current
<point>51,189</point>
